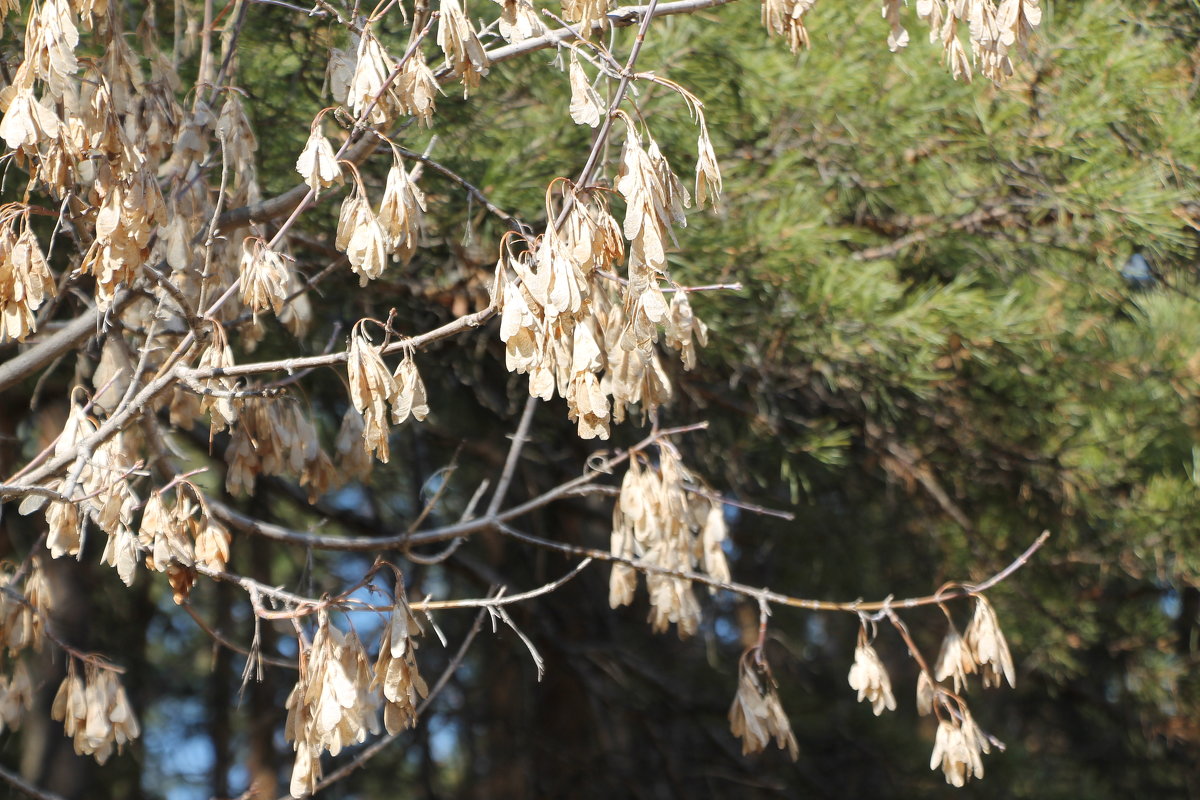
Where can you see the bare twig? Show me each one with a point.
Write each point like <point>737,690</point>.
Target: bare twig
<point>503,600</point>
<point>477,194</point>
<point>514,455</point>
<point>21,489</point>
<point>25,787</point>
<point>211,239</point>
<point>854,607</point>
<point>217,637</point>
<point>618,18</point>
<point>574,487</point>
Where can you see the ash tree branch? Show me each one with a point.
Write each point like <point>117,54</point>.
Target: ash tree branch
<point>571,488</point>
<point>72,335</point>
<point>856,607</point>
<point>175,372</point>
<point>294,201</point>
<point>26,788</point>
<point>280,205</point>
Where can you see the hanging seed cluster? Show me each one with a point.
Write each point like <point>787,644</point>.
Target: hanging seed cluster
<point>993,28</point>
<point>339,697</point>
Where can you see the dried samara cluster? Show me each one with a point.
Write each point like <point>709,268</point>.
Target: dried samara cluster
<point>575,327</point>
<point>959,743</point>
<point>25,603</point>
<point>756,715</point>
<point>94,711</point>
<point>994,29</point>
<point>338,699</point>
<point>666,524</point>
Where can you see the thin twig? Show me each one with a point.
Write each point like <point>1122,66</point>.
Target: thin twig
<point>495,210</point>
<point>211,239</point>
<point>27,788</point>
<point>508,599</point>
<point>514,455</point>
<point>226,643</point>
<point>318,541</point>
<point>854,607</point>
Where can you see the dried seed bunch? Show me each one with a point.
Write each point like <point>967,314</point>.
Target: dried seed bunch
<point>372,387</point>
<point>410,397</point>
<point>586,105</point>
<point>159,114</point>
<point>521,323</point>
<point>869,677</point>
<point>519,21</point>
<point>265,277</point>
<point>396,673</point>
<point>756,714</point>
<point>96,116</point>
<point>65,529</point>
<point>276,437</point>
<point>567,331</point>
<point>51,37</point>
<point>63,520</point>
<point>179,538</point>
<point>103,479</point>
<point>129,212</point>
<point>353,460</point>
<point>166,536</point>
<point>634,377</point>
<point>651,206</point>
<point>462,48</point>
<point>654,201</point>
<point>331,705</point>
<point>372,67</point>
<point>558,277</point>
<point>16,696</point>
<point>25,278</point>
<point>360,234</point>
<point>233,126</point>
<point>665,519</point>
<point>111,502</point>
<point>985,640</point>
<point>95,712</point>
<point>220,407</point>
<point>955,659</point>
<point>786,18</point>
<point>994,28</point>
<point>709,183</point>
<point>585,12</point>
<point>22,624</point>
<point>959,746</point>
<point>587,402</point>
<point>960,742</point>
<point>112,375</point>
<point>401,212</point>
<point>684,330</point>
<point>417,88</point>
<point>317,163</point>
